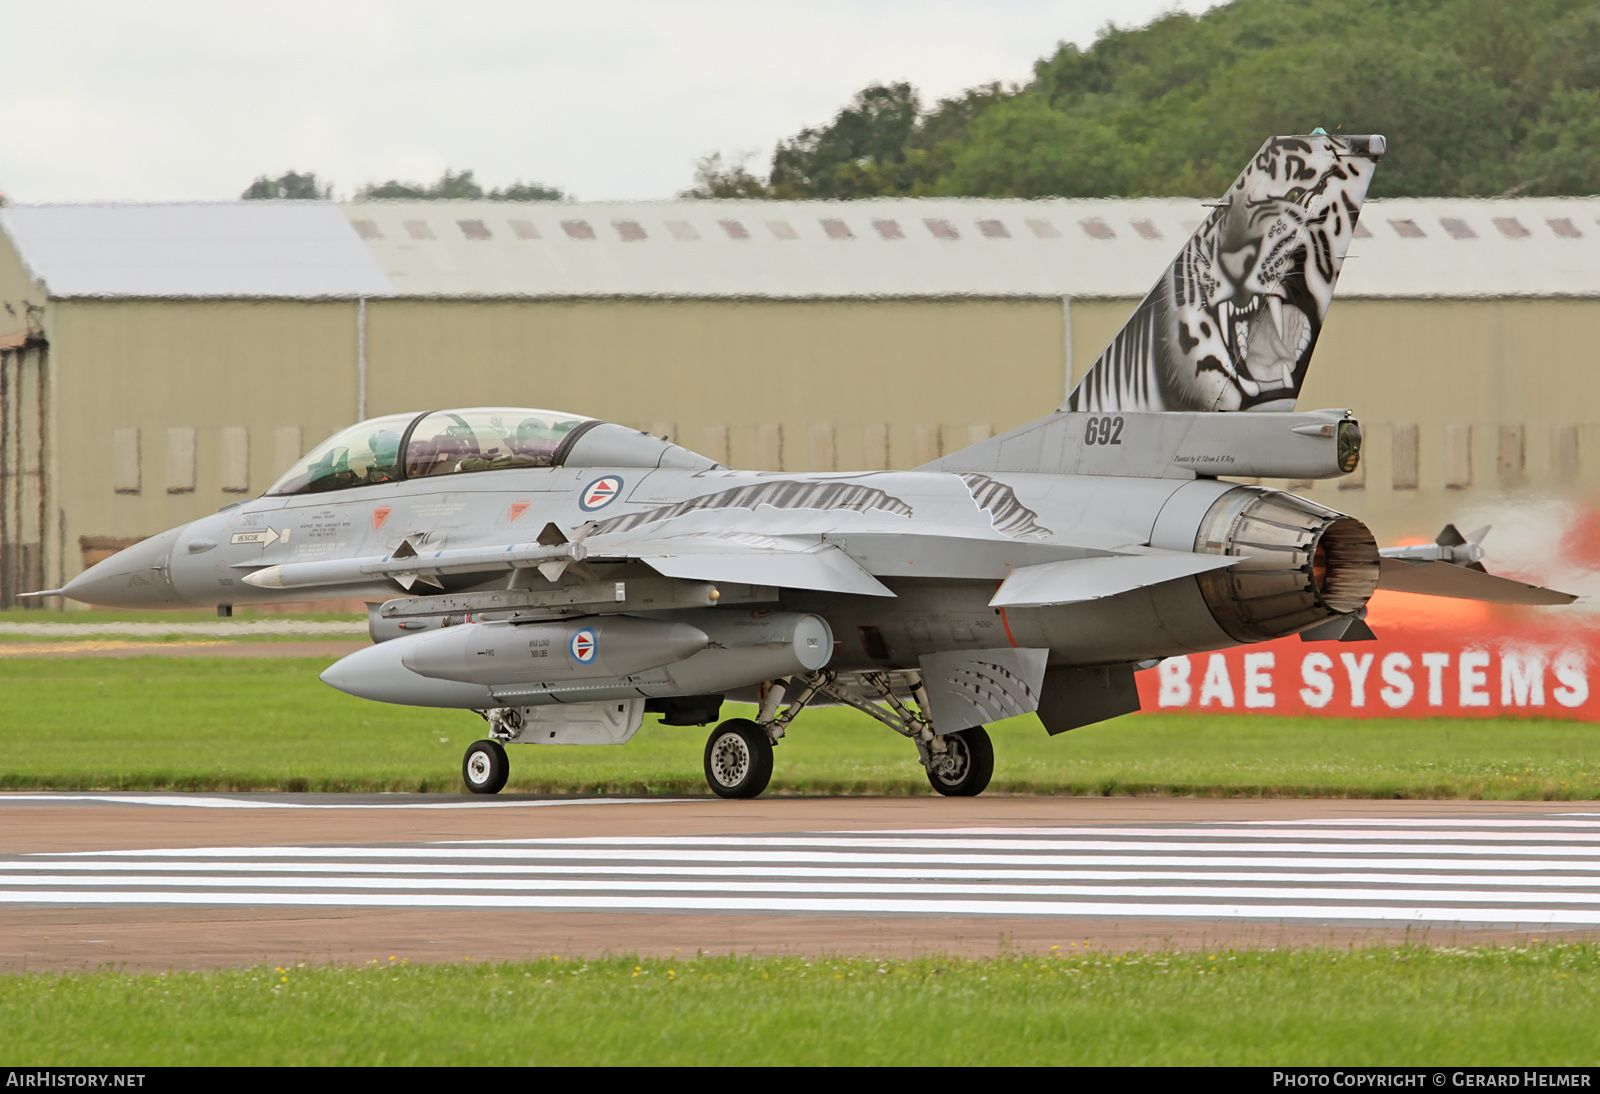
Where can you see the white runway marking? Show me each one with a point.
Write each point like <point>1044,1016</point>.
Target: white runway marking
<point>203,801</point>
<point>1544,872</point>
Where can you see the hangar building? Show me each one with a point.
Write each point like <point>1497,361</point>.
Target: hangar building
<point>160,361</point>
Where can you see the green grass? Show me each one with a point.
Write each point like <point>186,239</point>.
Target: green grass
<point>269,723</point>
<point>1531,1005</point>
<point>190,615</point>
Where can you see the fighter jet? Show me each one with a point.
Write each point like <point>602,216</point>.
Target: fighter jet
<point>563,576</point>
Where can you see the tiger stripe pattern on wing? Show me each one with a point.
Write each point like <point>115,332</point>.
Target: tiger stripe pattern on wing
<point>783,494</point>
<point>1007,515</point>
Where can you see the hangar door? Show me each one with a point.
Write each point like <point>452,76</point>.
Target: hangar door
<point>22,488</point>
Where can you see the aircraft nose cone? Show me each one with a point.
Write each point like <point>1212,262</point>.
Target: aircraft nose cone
<point>137,577</point>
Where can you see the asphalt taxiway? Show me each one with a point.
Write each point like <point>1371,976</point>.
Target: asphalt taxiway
<point>156,881</point>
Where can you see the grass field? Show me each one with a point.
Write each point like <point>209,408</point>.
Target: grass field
<point>253,724</point>
<point>242,613</point>
<point>1527,1005</point>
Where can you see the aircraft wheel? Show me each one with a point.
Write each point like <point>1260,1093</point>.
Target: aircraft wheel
<point>738,759</point>
<point>485,767</point>
<point>964,771</point>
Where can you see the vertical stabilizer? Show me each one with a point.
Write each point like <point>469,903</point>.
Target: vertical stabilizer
<point>1232,322</point>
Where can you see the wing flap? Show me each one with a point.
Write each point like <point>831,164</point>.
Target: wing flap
<point>1462,583</point>
<point>1081,579</point>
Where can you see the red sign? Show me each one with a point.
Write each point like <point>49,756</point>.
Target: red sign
<point>380,515</point>
<point>1432,657</point>
<point>517,509</point>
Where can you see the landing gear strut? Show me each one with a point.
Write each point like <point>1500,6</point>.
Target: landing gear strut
<point>738,760</point>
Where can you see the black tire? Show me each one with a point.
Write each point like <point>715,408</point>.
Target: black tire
<point>738,759</point>
<point>966,772</point>
<point>485,768</point>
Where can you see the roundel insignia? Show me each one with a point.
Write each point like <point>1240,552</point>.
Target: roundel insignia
<point>600,493</point>
<point>583,646</point>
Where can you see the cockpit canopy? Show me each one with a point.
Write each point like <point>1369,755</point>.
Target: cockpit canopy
<point>451,442</point>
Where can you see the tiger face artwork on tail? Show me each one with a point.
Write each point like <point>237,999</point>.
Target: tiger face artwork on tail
<point>1232,322</point>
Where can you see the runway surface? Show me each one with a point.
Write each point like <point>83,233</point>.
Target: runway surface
<point>1000,868</point>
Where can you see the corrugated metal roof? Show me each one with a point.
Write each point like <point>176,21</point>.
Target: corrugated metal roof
<point>897,248</point>
<point>894,247</point>
<point>292,249</point>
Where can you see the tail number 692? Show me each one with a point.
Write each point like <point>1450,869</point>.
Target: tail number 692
<point>1103,431</point>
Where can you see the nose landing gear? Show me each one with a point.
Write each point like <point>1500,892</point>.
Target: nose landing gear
<point>485,767</point>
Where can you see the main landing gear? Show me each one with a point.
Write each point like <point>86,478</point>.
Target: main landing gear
<point>966,766</point>
<point>738,757</point>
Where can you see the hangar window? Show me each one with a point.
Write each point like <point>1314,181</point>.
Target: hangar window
<point>888,229</point>
<point>682,229</point>
<point>449,442</point>
<point>942,229</point>
<point>837,229</point>
<point>363,455</point>
<point>418,229</point>
<point>993,229</point>
<point>734,229</point>
<point>782,229</point>
<point>1564,228</point>
<point>474,229</point>
<point>1458,228</point>
<point>629,231</point>
<point>1044,229</point>
<point>523,229</point>
<point>1511,228</point>
<point>1408,229</point>
<point>1146,229</point>
<point>577,229</point>
<point>1096,228</point>
<point>367,229</point>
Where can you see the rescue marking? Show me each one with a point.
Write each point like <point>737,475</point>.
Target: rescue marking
<point>380,515</point>
<point>517,509</point>
<point>265,539</point>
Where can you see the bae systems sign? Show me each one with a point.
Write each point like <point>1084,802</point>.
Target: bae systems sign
<point>1457,661</point>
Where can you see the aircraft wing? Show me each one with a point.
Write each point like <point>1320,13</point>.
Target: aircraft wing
<point>819,566</point>
<point>743,559</point>
<point>1447,579</point>
<point>1080,579</point>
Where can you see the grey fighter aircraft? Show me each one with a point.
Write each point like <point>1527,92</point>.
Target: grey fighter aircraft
<point>562,576</point>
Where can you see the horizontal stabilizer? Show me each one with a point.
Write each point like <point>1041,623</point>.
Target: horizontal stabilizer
<point>1094,578</point>
<point>827,570</point>
<point>1462,583</point>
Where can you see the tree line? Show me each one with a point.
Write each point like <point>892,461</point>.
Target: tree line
<point>1476,98</point>
<point>452,185</point>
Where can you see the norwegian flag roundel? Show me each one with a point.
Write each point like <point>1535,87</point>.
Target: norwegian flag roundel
<point>600,493</point>
<point>583,646</point>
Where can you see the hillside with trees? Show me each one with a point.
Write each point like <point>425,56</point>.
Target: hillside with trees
<point>1476,98</point>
